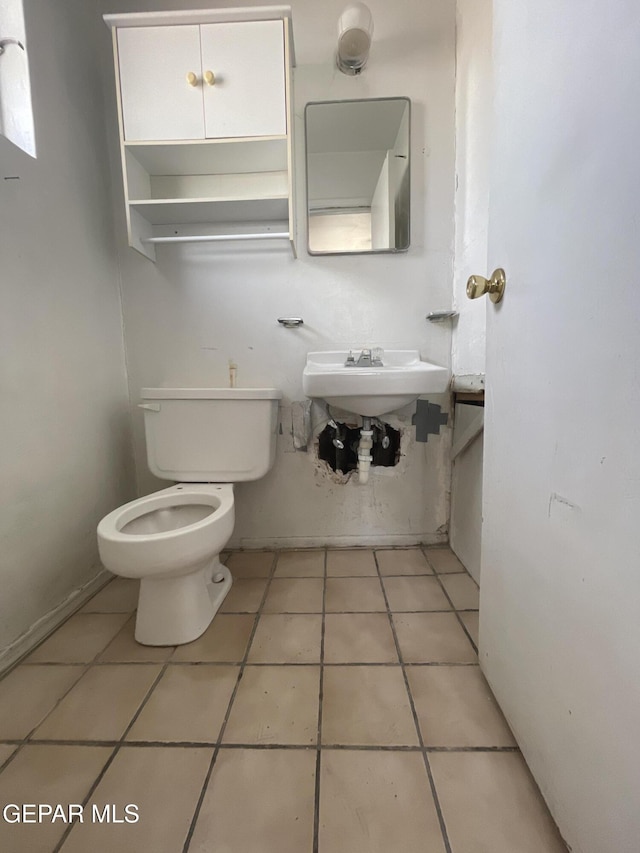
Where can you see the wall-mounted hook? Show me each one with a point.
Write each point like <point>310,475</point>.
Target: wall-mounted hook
<point>441,316</point>
<point>291,322</point>
<point>5,42</point>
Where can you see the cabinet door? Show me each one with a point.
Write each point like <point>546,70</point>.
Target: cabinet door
<point>248,95</point>
<point>157,100</point>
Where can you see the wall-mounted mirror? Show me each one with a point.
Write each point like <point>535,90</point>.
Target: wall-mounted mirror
<point>358,177</point>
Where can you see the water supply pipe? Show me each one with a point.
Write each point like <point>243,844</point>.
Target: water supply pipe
<point>364,451</point>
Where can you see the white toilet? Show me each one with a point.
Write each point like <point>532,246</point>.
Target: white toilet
<point>206,439</point>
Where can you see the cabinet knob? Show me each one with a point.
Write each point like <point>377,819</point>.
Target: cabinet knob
<point>209,78</point>
<point>192,79</point>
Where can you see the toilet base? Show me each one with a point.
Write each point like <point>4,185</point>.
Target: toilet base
<point>173,611</point>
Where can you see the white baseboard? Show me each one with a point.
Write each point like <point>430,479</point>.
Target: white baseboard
<point>403,540</point>
<point>51,620</point>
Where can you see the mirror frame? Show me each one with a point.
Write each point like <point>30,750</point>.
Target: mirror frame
<point>392,251</point>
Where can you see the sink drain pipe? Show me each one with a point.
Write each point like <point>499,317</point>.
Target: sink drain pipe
<point>364,450</point>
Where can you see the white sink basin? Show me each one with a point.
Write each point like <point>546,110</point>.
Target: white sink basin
<point>375,390</point>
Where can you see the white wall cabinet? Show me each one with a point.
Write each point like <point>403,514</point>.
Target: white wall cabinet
<point>247,97</point>
<point>205,113</point>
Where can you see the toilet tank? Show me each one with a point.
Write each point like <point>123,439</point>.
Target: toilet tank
<point>210,435</point>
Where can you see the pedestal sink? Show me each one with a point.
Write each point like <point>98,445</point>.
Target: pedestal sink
<point>372,390</point>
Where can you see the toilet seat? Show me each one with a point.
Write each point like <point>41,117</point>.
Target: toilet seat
<point>129,550</point>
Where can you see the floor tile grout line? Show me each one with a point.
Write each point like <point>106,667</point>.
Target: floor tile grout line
<point>346,612</point>
<point>456,611</point>
<point>216,750</point>
<point>229,663</point>
<point>360,747</point>
<point>300,747</point>
<point>467,632</point>
<point>316,796</point>
<point>431,749</point>
<point>432,784</point>
<point>256,664</point>
<point>426,574</point>
<point>116,750</point>
<point>84,612</point>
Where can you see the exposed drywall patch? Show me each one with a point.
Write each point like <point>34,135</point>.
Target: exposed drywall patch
<point>325,473</point>
<point>301,423</point>
<point>428,419</point>
<point>295,426</point>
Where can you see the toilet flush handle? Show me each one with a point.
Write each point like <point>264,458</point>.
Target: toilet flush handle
<point>150,407</point>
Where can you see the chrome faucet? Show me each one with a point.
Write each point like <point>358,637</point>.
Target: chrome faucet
<point>367,358</point>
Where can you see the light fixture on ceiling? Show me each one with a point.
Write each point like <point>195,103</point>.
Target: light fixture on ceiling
<point>355,31</point>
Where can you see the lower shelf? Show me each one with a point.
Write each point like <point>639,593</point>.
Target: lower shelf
<point>144,237</point>
<point>192,211</point>
<point>217,238</point>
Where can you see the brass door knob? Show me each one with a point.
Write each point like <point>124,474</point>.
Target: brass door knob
<point>192,78</point>
<point>494,286</point>
<point>209,78</point>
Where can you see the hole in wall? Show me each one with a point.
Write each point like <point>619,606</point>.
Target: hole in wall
<point>385,452</point>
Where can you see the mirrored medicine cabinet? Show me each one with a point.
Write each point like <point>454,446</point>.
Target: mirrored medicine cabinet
<point>358,176</point>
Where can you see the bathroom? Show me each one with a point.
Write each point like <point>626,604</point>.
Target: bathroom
<point>89,322</point>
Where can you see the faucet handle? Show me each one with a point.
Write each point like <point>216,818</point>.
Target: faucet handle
<point>350,362</point>
<point>376,356</point>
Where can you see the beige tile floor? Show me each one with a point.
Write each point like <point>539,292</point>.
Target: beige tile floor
<point>335,705</point>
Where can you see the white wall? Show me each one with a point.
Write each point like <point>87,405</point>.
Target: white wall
<point>200,306</point>
<point>473,136</point>
<point>66,455</point>
<point>559,627</point>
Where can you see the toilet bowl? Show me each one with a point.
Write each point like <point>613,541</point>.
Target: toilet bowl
<point>171,540</point>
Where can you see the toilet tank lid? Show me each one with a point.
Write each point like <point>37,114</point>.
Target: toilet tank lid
<point>211,394</point>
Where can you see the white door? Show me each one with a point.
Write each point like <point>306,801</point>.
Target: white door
<point>560,598</point>
<point>247,94</point>
<point>159,100</point>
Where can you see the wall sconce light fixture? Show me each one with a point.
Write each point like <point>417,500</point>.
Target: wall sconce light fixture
<point>355,31</point>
